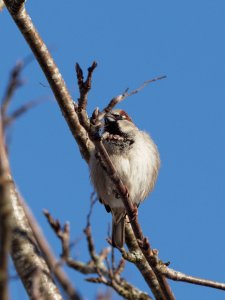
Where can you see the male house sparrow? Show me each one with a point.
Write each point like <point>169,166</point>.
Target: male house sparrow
<point>136,159</point>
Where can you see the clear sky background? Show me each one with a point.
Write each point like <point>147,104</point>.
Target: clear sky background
<point>132,41</point>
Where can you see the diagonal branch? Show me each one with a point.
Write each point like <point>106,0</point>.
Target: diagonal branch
<point>48,253</point>
<point>159,286</point>
<point>24,250</point>
<point>5,218</point>
<point>178,276</point>
<point>24,23</point>
<point>58,86</point>
<point>8,120</point>
<point>13,84</point>
<point>116,100</point>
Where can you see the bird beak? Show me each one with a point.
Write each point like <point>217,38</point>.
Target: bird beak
<point>109,118</point>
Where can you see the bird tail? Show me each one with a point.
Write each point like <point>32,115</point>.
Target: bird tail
<point>118,228</point>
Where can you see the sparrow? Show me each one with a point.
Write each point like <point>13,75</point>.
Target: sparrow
<point>136,160</point>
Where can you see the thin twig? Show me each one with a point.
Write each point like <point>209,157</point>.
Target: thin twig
<point>48,254</point>
<point>179,276</point>
<point>97,266</point>
<point>93,200</point>
<point>84,88</point>
<point>116,100</point>
<point>120,267</point>
<point>8,120</point>
<point>63,233</point>
<point>13,84</point>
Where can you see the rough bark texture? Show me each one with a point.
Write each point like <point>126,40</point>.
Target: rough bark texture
<point>27,257</point>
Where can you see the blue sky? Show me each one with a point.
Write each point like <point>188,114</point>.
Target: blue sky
<point>132,41</point>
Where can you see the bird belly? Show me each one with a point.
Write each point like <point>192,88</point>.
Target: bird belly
<point>136,177</point>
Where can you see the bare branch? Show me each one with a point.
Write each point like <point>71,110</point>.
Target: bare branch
<point>158,282</point>
<point>178,276</point>
<point>116,100</point>
<point>27,28</point>
<point>87,230</point>
<point>5,217</point>
<point>84,86</point>
<point>94,199</point>
<point>97,265</point>
<point>8,120</point>
<point>159,286</point>
<point>15,6</point>
<point>35,286</point>
<point>13,84</point>
<point>48,253</point>
<point>63,233</point>
<point>137,257</point>
<point>120,267</point>
<point>24,250</point>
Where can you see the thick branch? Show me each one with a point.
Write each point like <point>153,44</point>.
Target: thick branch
<point>24,250</point>
<point>26,254</point>
<point>24,23</point>
<point>5,218</point>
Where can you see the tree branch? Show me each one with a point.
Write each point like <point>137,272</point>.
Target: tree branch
<point>28,30</point>
<point>24,250</point>
<point>97,265</point>
<point>5,217</point>
<point>49,256</point>
<point>178,276</point>
<point>13,84</point>
<point>159,287</point>
<point>116,100</point>
<point>87,142</point>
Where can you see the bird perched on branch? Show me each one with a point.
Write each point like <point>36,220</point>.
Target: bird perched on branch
<point>135,158</point>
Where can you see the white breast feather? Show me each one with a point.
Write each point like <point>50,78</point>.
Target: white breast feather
<point>137,167</point>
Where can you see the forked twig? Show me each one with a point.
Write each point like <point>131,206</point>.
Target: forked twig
<point>49,255</point>
<point>98,265</point>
